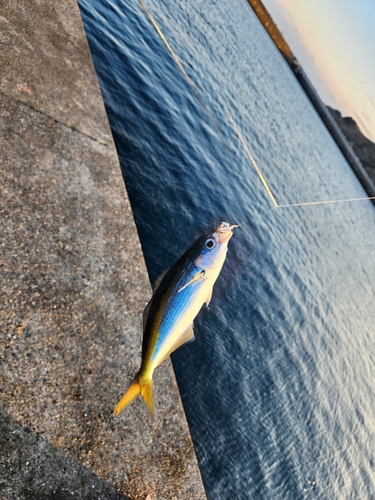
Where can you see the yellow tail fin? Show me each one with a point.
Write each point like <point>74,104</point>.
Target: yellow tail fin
<point>142,386</point>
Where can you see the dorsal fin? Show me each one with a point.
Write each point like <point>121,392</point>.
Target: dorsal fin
<point>156,285</point>
<point>146,310</point>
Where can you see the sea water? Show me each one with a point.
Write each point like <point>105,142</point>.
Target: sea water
<point>279,386</point>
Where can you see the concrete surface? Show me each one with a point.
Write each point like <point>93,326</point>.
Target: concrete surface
<point>73,285</point>
<point>46,472</point>
<point>45,63</point>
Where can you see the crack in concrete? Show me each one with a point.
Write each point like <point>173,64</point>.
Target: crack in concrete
<point>71,127</point>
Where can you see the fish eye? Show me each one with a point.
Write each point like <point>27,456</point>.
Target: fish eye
<point>210,243</point>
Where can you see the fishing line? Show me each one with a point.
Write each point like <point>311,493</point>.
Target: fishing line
<point>182,69</point>
<point>310,203</point>
<point>195,90</point>
<point>237,130</point>
<point>251,158</point>
<point>306,203</point>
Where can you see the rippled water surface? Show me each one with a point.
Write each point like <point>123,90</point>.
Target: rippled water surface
<point>279,387</point>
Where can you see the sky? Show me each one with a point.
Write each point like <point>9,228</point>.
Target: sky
<point>334,40</point>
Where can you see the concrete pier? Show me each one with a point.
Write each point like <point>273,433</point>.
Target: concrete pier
<point>73,285</point>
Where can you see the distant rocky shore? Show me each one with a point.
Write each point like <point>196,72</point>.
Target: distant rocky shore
<point>357,149</point>
<point>363,148</point>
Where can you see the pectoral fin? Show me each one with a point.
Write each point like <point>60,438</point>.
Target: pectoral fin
<point>198,277</point>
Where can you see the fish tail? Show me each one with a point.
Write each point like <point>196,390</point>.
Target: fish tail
<point>142,386</point>
<point>146,393</point>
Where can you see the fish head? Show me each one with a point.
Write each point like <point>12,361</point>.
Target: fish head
<point>214,246</point>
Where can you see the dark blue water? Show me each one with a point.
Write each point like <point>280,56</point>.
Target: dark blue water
<point>279,387</point>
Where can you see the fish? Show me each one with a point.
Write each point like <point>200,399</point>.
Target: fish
<point>178,296</point>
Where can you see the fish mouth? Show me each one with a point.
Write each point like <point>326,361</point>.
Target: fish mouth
<point>224,231</point>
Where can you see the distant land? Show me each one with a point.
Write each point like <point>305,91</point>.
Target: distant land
<point>356,148</point>
<point>363,148</point>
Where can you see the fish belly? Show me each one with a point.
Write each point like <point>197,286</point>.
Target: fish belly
<point>179,315</point>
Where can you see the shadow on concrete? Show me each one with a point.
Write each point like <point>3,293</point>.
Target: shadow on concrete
<point>31,468</point>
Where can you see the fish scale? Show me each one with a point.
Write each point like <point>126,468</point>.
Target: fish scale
<point>181,301</point>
